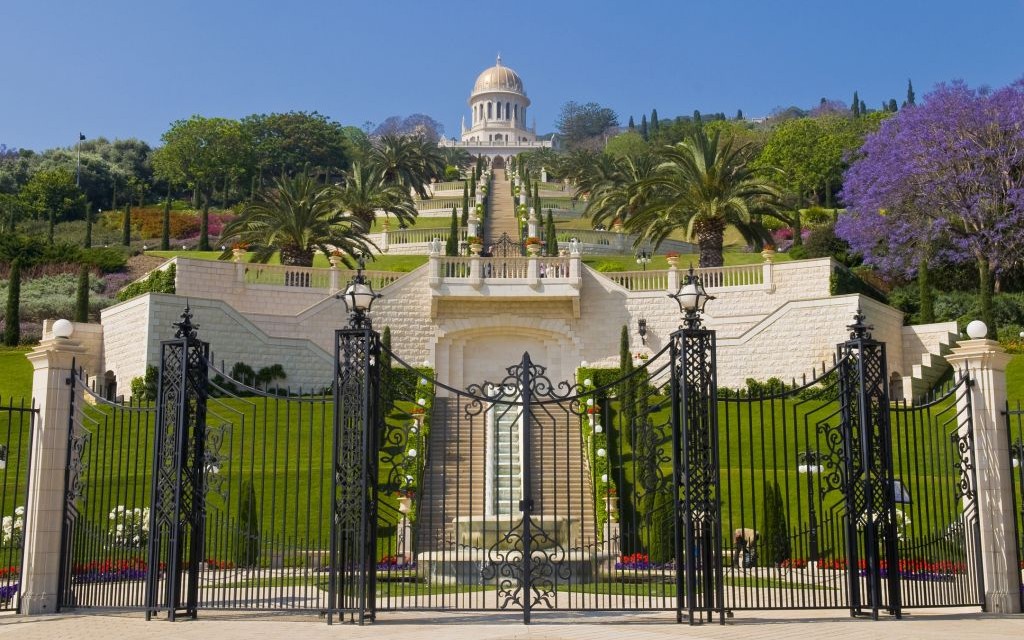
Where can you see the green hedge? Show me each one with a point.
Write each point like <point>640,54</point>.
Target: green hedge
<point>157,282</point>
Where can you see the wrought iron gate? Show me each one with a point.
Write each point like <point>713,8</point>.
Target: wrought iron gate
<point>16,424</point>
<point>644,489</point>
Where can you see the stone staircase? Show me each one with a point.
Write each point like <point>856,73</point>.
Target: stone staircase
<point>924,376</point>
<point>501,210</point>
<point>455,478</point>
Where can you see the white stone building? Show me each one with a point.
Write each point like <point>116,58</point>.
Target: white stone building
<point>498,106</point>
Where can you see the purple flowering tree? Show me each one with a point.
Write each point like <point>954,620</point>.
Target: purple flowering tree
<point>942,181</point>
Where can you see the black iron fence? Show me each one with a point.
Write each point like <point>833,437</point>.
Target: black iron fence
<point>107,500</point>
<point>16,421</point>
<point>1015,433</point>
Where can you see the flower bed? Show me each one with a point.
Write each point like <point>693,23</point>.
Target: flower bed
<point>909,568</point>
<point>100,571</point>
<point>7,592</point>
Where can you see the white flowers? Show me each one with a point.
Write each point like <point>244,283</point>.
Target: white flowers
<point>12,528</point>
<point>131,526</point>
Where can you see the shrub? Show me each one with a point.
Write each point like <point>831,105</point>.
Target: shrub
<point>247,542</point>
<point>773,545</point>
<point>145,387</point>
<point>156,282</point>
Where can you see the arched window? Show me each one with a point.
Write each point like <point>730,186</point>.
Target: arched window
<point>489,111</point>
<point>508,112</point>
<point>515,112</point>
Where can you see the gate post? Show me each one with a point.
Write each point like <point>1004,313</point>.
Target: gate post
<point>866,472</point>
<point>177,516</point>
<point>53,365</point>
<point>695,459</point>
<point>985,362</point>
<point>358,421</point>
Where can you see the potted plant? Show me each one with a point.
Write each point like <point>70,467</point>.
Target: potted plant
<point>533,245</point>
<point>238,250</point>
<point>405,497</point>
<point>476,244</point>
<point>768,253</point>
<point>673,259</point>
<point>335,258</point>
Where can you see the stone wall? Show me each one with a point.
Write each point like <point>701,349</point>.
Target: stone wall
<point>785,327</point>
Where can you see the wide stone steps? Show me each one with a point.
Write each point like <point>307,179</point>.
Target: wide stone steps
<point>454,480</point>
<point>501,215</point>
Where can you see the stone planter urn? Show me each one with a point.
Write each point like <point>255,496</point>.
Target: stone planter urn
<point>673,261</point>
<point>533,249</point>
<point>237,255</point>
<point>768,255</point>
<point>335,261</point>
<point>476,248</point>
<point>611,504</point>
<point>404,504</point>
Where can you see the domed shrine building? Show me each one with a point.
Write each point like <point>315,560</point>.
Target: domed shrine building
<point>498,107</point>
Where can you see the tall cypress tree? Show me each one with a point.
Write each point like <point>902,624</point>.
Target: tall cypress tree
<point>88,226</point>
<point>451,248</point>
<point>774,544</point>
<point>165,227</point>
<point>632,125</point>
<point>863,108</point>
<point>697,117</point>
<point>910,92</point>
<point>550,236</point>
<point>654,122</point>
<point>247,543</point>
<point>465,203</point>
<point>126,225</point>
<point>891,107</point>
<point>472,185</point>
<point>82,295</point>
<point>643,126</point>
<point>204,226</point>
<point>739,114</point>
<point>12,325</point>
<point>855,107</point>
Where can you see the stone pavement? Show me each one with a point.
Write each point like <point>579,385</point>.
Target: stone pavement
<point>961,624</point>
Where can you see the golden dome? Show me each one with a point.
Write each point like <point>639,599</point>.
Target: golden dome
<point>498,78</point>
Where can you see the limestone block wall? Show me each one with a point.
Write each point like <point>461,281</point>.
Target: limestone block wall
<point>133,331</point>
<point>219,280</point>
<point>126,336</point>
<point>922,339</point>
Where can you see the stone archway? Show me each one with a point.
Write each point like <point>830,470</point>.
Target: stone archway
<point>498,162</point>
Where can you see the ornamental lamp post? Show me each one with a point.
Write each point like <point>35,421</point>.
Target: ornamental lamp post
<point>642,258</point>
<point>691,298</point>
<point>358,298</point>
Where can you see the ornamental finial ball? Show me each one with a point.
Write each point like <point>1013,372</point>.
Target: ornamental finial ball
<point>62,328</point>
<point>977,329</point>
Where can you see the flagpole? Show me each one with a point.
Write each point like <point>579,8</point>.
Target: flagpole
<point>78,164</point>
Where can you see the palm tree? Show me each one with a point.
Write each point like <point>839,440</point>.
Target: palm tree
<point>456,157</point>
<point>407,161</point>
<point>298,216</point>
<point>610,184</point>
<point>702,186</point>
<point>364,192</point>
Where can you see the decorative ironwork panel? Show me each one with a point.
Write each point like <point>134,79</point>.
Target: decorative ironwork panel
<point>178,512</point>
<point>867,478</point>
<point>357,424</point>
<point>697,472</point>
<point>506,247</point>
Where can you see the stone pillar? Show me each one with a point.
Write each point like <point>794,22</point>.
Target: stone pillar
<point>532,272</point>
<point>384,240</point>
<point>472,224</point>
<point>335,277</point>
<point>434,263</point>
<point>543,174</point>
<point>532,224</point>
<point>52,363</point>
<point>986,362</point>
<point>475,271</point>
<point>673,279</point>
<point>767,270</point>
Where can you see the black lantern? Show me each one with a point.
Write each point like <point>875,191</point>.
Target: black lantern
<point>359,297</point>
<point>641,328</point>
<point>691,299</point>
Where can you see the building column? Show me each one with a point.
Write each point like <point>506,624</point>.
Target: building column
<point>985,361</point>
<point>52,364</point>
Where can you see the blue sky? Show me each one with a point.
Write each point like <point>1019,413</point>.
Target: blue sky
<point>129,68</point>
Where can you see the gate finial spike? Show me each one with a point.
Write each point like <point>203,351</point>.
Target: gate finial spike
<point>185,328</point>
<point>859,329</point>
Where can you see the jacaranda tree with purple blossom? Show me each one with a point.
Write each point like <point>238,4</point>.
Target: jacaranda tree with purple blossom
<point>943,180</point>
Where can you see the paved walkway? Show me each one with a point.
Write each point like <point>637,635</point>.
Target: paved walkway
<point>962,624</point>
<point>501,212</point>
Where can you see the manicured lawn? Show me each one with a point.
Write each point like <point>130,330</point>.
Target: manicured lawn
<point>607,264</point>
<point>398,263</point>
<point>15,374</point>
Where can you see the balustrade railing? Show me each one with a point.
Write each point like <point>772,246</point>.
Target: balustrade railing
<point>640,280</point>
<point>511,268</point>
<point>439,203</point>
<point>748,275</point>
<point>277,275</point>
<point>408,236</point>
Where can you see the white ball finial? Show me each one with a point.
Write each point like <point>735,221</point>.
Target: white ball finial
<point>977,329</point>
<point>62,328</point>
